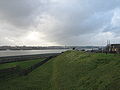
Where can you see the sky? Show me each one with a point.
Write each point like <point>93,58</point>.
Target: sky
<point>59,22</point>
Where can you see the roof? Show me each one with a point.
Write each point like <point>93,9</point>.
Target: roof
<point>115,45</point>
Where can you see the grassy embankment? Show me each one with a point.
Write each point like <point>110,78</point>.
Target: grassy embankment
<point>73,70</point>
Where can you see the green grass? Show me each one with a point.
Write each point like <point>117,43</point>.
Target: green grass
<point>73,70</point>
<point>22,64</point>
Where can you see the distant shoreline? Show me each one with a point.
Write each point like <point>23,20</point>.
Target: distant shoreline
<point>28,49</point>
<point>32,47</point>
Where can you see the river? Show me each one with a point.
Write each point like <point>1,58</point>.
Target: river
<point>29,52</point>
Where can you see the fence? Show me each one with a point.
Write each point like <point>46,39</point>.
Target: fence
<point>24,57</point>
<point>31,68</point>
<point>17,70</point>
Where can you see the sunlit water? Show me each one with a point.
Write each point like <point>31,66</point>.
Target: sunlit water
<point>28,52</point>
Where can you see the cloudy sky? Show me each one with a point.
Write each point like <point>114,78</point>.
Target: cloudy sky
<point>59,22</point>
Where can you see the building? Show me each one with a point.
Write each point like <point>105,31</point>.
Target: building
<point>113,48</point>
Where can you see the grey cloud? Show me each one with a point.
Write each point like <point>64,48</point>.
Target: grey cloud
<point>71,22</point>
<point>20,13</point>
<point>76,22</point>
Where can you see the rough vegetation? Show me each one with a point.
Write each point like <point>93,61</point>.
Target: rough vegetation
<point>72,70</point>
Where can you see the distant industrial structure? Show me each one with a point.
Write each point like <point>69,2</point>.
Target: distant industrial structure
<point>113,48</point>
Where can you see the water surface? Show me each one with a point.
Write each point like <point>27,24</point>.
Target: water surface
<point>28,52</point>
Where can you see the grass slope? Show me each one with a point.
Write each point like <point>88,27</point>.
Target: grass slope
<point>73,70</point>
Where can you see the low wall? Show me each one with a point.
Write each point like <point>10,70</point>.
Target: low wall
<point>33,67</point>
<point>6,73</point>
